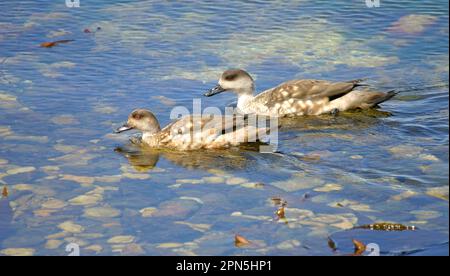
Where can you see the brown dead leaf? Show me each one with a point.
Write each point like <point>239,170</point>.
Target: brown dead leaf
<point>55,43</point>
<point>5,192</point>
<point>240,241</point>
<point>280,213</point>
<point>360,247</point>
<point>278,201</point>
<point>332,244</point>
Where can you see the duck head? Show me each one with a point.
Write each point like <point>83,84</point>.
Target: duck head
<point>234,80</point>
<point>143,120</point>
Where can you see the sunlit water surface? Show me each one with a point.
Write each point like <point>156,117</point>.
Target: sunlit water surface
<point>69,179</point>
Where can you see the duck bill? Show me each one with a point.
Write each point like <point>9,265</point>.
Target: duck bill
<point>124,128</point>
<point>216,90</point>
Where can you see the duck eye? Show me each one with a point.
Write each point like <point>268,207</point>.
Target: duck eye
<point>137,116</point>
<point>231,77</point>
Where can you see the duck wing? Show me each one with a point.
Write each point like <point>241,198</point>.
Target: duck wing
<point>307,90</point>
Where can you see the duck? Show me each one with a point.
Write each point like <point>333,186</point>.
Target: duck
<point>298,97</point>
<point>193,132</point>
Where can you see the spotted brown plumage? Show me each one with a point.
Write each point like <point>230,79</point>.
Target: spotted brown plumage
<point>298,97</point>
<point>194,132</point>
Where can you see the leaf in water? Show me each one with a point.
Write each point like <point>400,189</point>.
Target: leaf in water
<point>5,192</point>
<point>278,201</point>
<point>280,213</point>
<point>332,244</point>
<point>360,247</point>
<point>55,43</point>
<point>384,226</point>
<point>240,241</point>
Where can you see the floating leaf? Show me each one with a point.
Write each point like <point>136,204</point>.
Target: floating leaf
<point>384,226</point>
<point>278,201</point>
<point>332,244</point>
<point>5,192</point>
<point>360,247</point>
<point>55,43</point>
<point>240,241</point>
<point>280,213</point>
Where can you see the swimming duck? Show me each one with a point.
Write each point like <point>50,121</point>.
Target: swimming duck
<point>192,132</point>
<point>297,97</point>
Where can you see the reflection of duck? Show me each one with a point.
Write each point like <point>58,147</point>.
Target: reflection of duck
<point>193,132</point>
<point>144,158</point>
<point>6,217</point>
<point>297,97</point>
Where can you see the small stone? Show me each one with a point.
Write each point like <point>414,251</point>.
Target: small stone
<point>53,244</point>
<point>236,181</point>
<point>426,215</point>
<point>102,212</point>
<point>95,247</point>
<point>121,239</point>
<point>148,212</point>
<point>169,245</point>
<point>71,227</point>
<point>412,23</point>
<point>190,181</point>
<point>136,176</point>
<point>84,180</point>
<point>43,212</point>
<point>253,185</point>
<point>439,192</point>
<point>18,252</point>
<point>20,170</point>
<point>23,187</point>
<point>133,249</point>
<point>356,156</point>
<point>428,157</point>
<point>54,204</point>
<point>288,245</point>
<point>195,226</point>
<point>65,120</point>
<point>329,188</point>
<point>213,179</point>
<point>404,195</point>
<point>86,199</point>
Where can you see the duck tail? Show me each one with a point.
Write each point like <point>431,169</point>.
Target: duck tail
<point>359,82</point>
<point>387,96</point>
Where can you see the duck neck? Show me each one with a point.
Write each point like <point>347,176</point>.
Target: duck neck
<point>151,138</point>
<point>245,97</point>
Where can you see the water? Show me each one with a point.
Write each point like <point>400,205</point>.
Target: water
<point>59,106</point>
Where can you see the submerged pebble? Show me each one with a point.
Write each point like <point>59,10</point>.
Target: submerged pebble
<point>53,244</point>
<point>329,188</point>
<point>439,192</point>
<point>195,226</point>
<point>95,248</point>
<point>20,170</point>
<point>148,212</point>
<point>412,23</point>
<point>71,227</point>
<point>86,199</point>
<point>121,239</point>
<point>54,204</point>
<point>101,212</point>
<point>18,252</point>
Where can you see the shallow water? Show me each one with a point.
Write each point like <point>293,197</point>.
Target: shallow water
<point>70,180</point>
